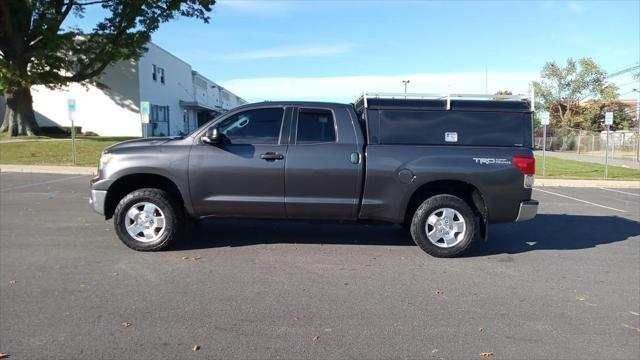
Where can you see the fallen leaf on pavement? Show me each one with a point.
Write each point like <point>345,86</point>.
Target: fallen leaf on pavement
<point>439,292</point>
<point>316,338</point>
<point>481,329</point>
<point>197,258</point>
<point>486,354</point>
<point>126,324</point>
<point>185,258</point>
<point>12,281</point>
<point>114,274</point>
<point>196,347</point>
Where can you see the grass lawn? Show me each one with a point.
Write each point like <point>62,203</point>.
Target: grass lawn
<point>569,169</point>
<point>55,152</point>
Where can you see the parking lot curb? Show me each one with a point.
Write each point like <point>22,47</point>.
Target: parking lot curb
<point>48,169</point>
<point>618,184</point>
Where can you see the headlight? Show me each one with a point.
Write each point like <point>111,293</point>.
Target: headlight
<point>104,160</point>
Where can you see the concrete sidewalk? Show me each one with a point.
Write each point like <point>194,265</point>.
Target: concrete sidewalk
<point>49,169</point>
<point>590,183</point>
<point>82,170</point>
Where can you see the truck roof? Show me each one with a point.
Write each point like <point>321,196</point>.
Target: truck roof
<point>299,103</point>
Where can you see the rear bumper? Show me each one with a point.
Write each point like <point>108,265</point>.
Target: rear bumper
<point>528,210</point>
<point>97,199</point>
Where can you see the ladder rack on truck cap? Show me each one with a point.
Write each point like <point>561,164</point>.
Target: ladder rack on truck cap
<point>445,96</point>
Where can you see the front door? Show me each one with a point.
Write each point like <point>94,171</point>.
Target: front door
<point>244,175</point>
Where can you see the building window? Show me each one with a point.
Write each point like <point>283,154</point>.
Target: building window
<point>157,72</point>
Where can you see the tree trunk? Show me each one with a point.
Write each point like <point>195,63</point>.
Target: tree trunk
<point>19,118</point>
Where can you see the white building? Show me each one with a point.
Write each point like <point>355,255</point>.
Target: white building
<point>180,98</point>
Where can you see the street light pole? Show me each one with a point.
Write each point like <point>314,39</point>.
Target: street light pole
<point>405,82</point>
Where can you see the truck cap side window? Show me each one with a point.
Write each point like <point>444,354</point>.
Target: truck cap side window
<point>315,126</point>
<point>257,126</point>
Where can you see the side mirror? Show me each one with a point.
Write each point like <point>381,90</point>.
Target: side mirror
<point>212,136</point>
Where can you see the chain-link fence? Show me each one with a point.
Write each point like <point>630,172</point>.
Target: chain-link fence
<point>622,144</point>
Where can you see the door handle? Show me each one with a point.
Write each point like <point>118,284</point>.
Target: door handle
<point>355,158</point>
<point>271,156</point>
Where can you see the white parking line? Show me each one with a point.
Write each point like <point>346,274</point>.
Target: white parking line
<point>621,192</point>
<point>580,200</point>
<point>41,183</point>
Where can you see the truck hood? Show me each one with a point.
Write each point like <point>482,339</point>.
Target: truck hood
<point>155,141</point>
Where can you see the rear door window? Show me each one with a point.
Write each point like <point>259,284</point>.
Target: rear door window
<point>315,126</point>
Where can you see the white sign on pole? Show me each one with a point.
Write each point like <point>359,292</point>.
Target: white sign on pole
<point>544,117</point>
<point>608,118</point>
<point>144,112</point>
<point>71,108</point>
<point>71,105</point>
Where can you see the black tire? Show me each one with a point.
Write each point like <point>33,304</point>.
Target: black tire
<point>418,225</point>
<point>162,200</point>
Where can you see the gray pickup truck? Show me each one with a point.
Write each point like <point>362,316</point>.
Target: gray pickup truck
<point>442,167</point>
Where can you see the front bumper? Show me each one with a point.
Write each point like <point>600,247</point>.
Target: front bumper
<point>528,210</point>
<point>97,199</point>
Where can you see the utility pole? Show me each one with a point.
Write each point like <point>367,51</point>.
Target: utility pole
<point>486,81</point>
<point>405,82</point>
<point>638,124</point>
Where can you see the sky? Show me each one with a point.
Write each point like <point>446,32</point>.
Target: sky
<point>335,50</point>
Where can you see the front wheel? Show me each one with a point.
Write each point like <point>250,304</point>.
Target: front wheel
<point>147,219</point>
<point>443,226</point>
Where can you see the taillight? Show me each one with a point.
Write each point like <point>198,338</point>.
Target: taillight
<point>526,164</point>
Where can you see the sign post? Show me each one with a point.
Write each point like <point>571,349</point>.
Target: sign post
<point>144,116</point>
<point>608,121</point>
<point>544,120</point>
<point>71,108</point>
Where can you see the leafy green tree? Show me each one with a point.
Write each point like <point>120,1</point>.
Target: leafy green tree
<point>562,90</point>
<point>36,48</point>
<point>504,92</point>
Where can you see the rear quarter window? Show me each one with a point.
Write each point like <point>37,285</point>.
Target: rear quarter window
<point>472,128</point>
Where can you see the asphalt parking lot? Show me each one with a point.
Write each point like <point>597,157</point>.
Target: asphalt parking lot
<point>564,285</point>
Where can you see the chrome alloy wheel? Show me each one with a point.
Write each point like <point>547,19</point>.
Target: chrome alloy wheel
<point>145,222</point>
<point>445,227</point>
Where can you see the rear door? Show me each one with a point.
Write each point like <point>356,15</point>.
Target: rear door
<point>244,175</point>
<point>323,165</point>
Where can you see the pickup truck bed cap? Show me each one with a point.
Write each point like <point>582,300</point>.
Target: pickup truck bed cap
<point>436,104</point>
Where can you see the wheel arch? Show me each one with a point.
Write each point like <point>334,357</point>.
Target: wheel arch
<point>131,182</point>
<point>466,191</point>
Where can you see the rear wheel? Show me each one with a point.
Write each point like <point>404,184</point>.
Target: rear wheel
<point>443,226</point>
<point>147,219</point>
